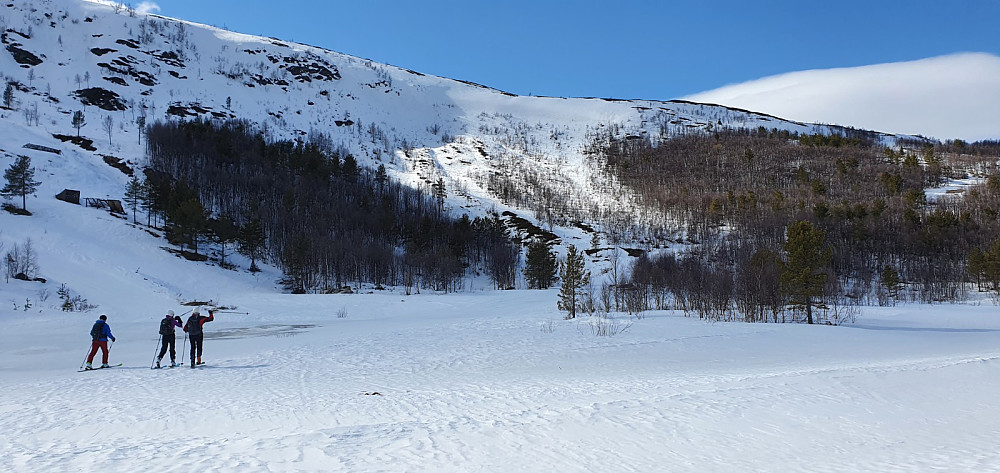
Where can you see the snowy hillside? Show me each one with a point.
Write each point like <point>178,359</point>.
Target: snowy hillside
<point>121,69</point>
<point>68,55</point>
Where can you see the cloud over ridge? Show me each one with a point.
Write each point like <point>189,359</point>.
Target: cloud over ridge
<point>945,97</point>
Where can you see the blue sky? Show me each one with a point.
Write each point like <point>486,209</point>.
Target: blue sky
<point>622,49</point>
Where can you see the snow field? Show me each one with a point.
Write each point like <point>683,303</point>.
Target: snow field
<point>471,383</point>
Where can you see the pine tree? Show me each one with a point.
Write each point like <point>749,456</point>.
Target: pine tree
<point>225,231</point>
<point>575,277</point>
<point>147,202</point>
<point>380,175</point>
<point>20,180</point>
<point>295,260</point>
<point>134,195</point>
<point>190,221</point>
<point>350,167</point>
<point>79,121</point>
<point>890,280</point>
<point>540,266</point>
<point>8,95</point>
<point>802,277</point>
<point>252,241</point>
<point>440,193</point>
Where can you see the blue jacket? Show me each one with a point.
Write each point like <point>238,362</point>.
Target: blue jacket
<point>105,333</point>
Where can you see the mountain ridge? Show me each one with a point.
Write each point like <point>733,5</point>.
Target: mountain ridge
<point>420,127</point>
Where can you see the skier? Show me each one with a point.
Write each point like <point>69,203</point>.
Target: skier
<point>169,340</point>
<point>194,329</point>
<point>100,332</point>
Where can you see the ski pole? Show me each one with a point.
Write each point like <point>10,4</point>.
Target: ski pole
<point>87,355</point>
<point>155,352</point>
<point>183,353</point>
<point>230,312</point>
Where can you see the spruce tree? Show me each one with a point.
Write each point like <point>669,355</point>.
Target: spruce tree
<point>190,220</point>
<point>225,231</point>
<point>20,180</point>
<point>803,277</point>
<point>134,195</point>
<point>252,242</point>
<point>890,280</point>
<point>350,167</point>
<point>575,277</point>
<point>8,95</point>
<point>380,175</point>
<point>540,266</point>
<point>79,121</point>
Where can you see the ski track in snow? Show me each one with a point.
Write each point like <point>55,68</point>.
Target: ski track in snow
<point>494,393</point>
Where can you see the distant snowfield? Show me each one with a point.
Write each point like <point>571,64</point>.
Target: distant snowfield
<point>498,382</point>
<point>946,97</point>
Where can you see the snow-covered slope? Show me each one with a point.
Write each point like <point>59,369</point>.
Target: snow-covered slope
<point>65,53</point>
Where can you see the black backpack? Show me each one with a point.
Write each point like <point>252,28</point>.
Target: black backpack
<point>97,331</point>
<point>167,326</point>
<point>193,325</point>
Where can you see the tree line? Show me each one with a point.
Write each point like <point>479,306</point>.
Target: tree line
<point>318,215</point>
<point>733,198</point>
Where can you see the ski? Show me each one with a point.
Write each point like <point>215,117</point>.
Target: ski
<point>99,368</point>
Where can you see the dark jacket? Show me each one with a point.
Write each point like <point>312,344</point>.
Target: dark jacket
<point>168,323</point>
<point>195,322</point>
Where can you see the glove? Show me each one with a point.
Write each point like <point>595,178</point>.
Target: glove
<point>178,319</point>
<point>113,339</point>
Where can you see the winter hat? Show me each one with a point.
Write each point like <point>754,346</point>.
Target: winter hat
<point>196,312</point>
<point>170,313</point>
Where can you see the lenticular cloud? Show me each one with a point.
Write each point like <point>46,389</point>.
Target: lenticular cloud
<point>946,97</point>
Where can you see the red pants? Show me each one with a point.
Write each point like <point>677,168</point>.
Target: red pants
<point>104,351</point>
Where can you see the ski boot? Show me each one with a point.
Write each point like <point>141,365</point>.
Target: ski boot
<point>200,362</point>
<point>89,366</point>
<point>173,364</point>
<point>157,363</point>
<point>105,365</point>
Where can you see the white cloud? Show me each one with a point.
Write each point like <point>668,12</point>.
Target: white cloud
<point>954,96</point>
<point>147,7</point>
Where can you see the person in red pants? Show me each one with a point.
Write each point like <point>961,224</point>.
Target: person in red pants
<point>101,332</point>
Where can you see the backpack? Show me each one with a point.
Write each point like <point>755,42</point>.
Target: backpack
<point>97,331</point>
<point>193,325</point>
<point>167,326</point>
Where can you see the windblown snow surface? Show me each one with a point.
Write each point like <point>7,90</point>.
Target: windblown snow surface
<point>496,381</point>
